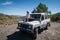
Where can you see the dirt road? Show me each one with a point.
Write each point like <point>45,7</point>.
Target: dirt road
<point>10,32</point>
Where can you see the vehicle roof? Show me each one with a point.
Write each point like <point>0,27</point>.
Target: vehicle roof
<point>41,13</point>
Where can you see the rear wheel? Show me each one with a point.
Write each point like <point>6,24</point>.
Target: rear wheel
<point>49,24</point>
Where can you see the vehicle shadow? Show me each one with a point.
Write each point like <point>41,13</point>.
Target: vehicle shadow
<point>20,36</point>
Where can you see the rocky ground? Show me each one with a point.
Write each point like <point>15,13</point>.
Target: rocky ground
<point>10,32</point>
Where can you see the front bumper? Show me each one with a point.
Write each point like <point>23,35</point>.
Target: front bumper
<point>26,30</point>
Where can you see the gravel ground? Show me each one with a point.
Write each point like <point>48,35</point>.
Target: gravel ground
<point>6,30</point>
<point>10,32</point>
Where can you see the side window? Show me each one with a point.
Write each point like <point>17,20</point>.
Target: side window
<point>42,18</point>
<point>46,16</point>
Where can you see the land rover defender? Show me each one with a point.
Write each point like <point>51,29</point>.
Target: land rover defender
<point>37,21</point>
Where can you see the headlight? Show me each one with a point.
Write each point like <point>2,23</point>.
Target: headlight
<point>19,24</point>
<point>30,26</point>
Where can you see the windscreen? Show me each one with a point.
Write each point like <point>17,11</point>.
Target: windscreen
<point>35,16</point>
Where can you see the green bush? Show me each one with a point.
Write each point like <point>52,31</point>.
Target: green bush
<point>55,17</point>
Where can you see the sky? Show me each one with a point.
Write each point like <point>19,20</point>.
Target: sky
<point>19,7</point>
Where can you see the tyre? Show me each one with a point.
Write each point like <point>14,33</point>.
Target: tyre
<point>35,33</point>
<point>46,27</point>
<point>49,24</point>
<point>21,31</point>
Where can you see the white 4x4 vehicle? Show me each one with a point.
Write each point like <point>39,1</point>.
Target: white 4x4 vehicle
<point>35,23</point>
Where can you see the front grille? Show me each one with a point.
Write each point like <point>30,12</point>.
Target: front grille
<point>24,26</point>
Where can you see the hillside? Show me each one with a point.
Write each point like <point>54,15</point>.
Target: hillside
<point>8,19</point>
<point>55,17</point>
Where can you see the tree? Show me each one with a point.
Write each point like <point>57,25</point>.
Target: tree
<point>55,17</point>
<point>40,8</point>
<point>34,11</point>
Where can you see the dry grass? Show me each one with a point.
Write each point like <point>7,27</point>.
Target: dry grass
<point>7,19</point>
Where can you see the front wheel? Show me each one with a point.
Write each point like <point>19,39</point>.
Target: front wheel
<point>46,27</point>
<point>35,33</point>
<point>21,31</point>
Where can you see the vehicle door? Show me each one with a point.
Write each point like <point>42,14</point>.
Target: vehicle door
<point>43,23</point>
